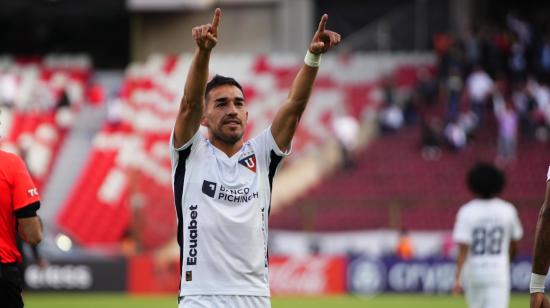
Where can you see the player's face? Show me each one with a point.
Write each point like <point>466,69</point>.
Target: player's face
<point>225,114</point>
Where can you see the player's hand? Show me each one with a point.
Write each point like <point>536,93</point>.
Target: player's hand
<point>457,288</point>
<point>323,39</point>
<point>42,263</point>
<point>538,300</point>
<point>206,36</point>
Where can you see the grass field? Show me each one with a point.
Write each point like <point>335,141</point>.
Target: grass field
<point>56,300</point>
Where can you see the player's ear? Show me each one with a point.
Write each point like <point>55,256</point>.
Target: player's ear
<point>204,122</point>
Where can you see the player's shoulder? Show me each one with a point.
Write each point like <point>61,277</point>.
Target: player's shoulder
<point>506,206</point>
<point>473,208</point>
<point>10,159</point>
<point>471,205</point>
<point>198,140</point>
<point>10,163</point>
<point>261,136</point>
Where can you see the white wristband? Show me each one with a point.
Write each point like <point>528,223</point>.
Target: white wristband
<point>537,283</point>
<point>312,59</point>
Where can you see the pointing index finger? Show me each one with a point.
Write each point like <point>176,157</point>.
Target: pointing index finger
<point>322,23</point>
<point>216,20</point>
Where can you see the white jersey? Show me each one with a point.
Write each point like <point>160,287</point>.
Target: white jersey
<point>487,226</point>
<point>222,205</point>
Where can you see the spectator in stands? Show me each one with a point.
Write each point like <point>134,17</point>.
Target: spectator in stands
<point>346,130</point>
<point>478,87</point>
<point>520,28</point>
<point>19,202</point>
<point>455,135</point>
<point>507,120</point>
<point>222,184</point>
<point>541,253</point>
<point>404,249</point>
<point>517,62</point>
<point>425,95</point>
<point>431,139</point>
<point>541,114</point>
<point>391,116</point>
<point>543,59</point>
<point>523,104</point>
<point>443,43</point>
<point>453,90</point>
<point>471,44</point>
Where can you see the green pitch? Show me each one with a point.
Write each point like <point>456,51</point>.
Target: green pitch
<point>57,300</point>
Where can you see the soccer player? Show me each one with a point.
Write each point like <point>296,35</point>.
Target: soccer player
<point>19,201</point>
<point>541,256</point>
<point>487,230</point>
<point>223,184</point>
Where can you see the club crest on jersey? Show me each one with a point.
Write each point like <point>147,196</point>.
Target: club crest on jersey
<point>249,162</point>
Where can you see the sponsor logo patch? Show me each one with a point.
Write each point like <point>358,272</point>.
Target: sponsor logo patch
<point>209,188</point>
<point>233,195</point>
<point>32,192</point>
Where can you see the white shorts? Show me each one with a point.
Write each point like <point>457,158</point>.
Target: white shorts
<point>496,296</point>
<point>224,301</point>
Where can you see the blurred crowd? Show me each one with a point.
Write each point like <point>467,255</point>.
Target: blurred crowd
<point>489,77</point>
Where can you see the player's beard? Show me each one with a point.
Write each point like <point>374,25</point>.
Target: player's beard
<point>228,138</point>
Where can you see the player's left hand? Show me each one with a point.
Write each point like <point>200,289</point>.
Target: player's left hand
<point>323,39</point>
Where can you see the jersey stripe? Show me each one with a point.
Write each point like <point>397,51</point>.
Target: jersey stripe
<point>178,192</point>
<point>274,162</point>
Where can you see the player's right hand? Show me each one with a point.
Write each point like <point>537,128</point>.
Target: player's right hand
<point>206,36</point>
<point>538,300</point>
<point>457,288</point>
<point>323,39</point>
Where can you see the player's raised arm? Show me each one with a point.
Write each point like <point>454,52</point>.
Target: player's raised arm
<point>541,256</point>
<point>192,103</point>
<point>287,118</point>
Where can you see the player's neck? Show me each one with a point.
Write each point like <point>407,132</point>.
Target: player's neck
<point>228,148</point>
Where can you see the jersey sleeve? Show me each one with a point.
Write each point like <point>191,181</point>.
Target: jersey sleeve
<point>461,231</point>
<point>193,139</point>
<point>517,229</point>
<point>266,142</point>
<point>175,152</point>
<point>24,191</point>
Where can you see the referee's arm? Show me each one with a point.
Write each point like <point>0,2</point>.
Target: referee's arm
<point>29,225</point>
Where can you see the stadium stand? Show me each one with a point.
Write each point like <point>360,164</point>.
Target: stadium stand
<point>392,186</point>
<point>38,99</point>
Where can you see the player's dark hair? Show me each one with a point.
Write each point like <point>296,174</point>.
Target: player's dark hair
<point>485,180</point>
<point>220,80</point>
